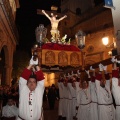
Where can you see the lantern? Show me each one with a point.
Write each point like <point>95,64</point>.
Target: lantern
<point>40,32</point>
<point>80,39</point>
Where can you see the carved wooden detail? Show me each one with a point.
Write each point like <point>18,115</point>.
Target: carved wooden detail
<point>50,58</point>
<point>74,59</point>
<point>62,58</point>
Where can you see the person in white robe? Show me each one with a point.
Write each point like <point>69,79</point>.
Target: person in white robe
<point>60,112</point>
<point>106,110</point>
<point>78,87</point>
<point>116,87</point>
<point>65,98</point>
<point>93,93</point>
<point>31,89</point>
<point>10,111</point>
<point>73,93</point>
<point>83,101</point>
<point>72,97</point>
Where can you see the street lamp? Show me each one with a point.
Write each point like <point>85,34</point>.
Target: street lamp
<point>113,46</point>
<point>105,40</point>
<point>40,32</point>
<point>80,39</point>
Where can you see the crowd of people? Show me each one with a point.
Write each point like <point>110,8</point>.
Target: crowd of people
<point>94,96</point>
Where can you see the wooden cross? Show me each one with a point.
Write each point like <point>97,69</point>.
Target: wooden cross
<point>49,13</point>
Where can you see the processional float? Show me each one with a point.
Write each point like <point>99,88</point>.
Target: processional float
<point>58,52</point>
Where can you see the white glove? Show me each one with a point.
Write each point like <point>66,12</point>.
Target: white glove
<point>64,76</point>
<point>105,68</point>
<point>69,75</point>
<point>72,73</point>
<point>118,61</point>
<point>91,68</point>
<point>78,72</point>
<point>100,67</point>
<point>114,59</point>
<point>87,71</point>
<point>32,62</point>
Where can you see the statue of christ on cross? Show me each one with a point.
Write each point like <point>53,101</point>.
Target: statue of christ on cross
<point>54,24</point>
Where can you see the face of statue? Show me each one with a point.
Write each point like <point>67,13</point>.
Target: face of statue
<point>53,18</point>
<point>32,84</point>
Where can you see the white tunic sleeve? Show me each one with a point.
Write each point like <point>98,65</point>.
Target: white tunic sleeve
<point>78,90</point>
<point>22,83</point>
<point>23,79</point>
<point>115,87</point>
<point>97,83</point>
<point>77,86</point>
<point>107,85</point>
<point>70,88</point>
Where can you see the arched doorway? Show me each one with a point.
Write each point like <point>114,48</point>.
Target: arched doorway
<point>4,63</point>
<point>2,69</point>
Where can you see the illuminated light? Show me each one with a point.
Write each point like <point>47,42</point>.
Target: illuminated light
<point>105,40</point>
<point>110,53</point>
<point>35,46</point>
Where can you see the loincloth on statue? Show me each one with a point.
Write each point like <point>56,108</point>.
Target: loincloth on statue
<point>55,31</point>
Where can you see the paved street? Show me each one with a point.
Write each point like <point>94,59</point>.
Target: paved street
<point>50,114</point>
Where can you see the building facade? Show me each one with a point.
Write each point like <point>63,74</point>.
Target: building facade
<point>96,23</point>
<point>8,38</point>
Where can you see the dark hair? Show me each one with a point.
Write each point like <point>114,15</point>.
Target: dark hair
<point>33,76</point>
<point>53,85</point>
<point>10,97</point>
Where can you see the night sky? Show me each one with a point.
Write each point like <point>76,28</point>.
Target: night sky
<point>27,20</point>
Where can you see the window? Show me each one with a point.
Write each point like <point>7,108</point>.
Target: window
<point>78,11</point>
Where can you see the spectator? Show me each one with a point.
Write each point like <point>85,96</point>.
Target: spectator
<point>10,111</point>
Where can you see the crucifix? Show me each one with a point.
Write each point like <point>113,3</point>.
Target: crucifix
<point>54,23</point>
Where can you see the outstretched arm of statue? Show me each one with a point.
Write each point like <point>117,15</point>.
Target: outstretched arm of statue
<point>43,11</point>
<point>62,18</point>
